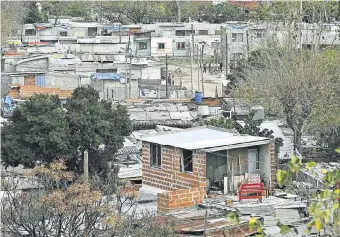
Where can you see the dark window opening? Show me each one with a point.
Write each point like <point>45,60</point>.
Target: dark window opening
<point>142,45</point>
<point>180,33</point>
<point>180,45</point>
<point>161,45</point>
<point>63,33</point>
<point>203,32</point>
<point>155,155</point>
<point>30,32</point>
<point>186,161</point>
<point>189,32</point>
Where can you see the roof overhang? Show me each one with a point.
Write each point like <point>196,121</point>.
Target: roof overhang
<point>234,146</point>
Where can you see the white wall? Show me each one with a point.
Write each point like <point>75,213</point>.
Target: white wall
<point>97,48</point>
<point>161,52</point>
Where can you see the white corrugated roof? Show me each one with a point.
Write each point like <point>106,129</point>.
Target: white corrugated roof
<point>200,138</point>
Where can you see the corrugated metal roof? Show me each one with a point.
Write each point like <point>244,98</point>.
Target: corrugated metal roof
<point>200,138</point>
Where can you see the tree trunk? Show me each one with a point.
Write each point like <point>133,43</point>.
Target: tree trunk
<point>178,11</point>
<point>297,140</point>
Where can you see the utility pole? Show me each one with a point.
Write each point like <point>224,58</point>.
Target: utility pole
<point>127,54</point>
<point>120,36</point>
<point>86,167</point>
<point>125,86</point>
<point>222,46</point>
<point>198,68</point>
<point>202,69</point>
<point>166,77</point>
<point>192,57</point>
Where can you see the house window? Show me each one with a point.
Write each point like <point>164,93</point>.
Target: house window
<point>215,45</point>
<point>180,45</point>
<point>189,32</point>
<point>155,155</point>
<point>218,32</point>
<point>237,37</point>
<point>237,56</point>
<point>142,45</point>
<point>161,45</point>
<point>92,31</point>
<point>203,32</point>
<point>30,32</point>
<point>258,35</point>
<point>186,161</point>
<point>63,33</point>
<point>180,32</point>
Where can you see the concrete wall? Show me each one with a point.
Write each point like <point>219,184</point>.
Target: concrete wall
<point>181,52</point>
<point>99,48</point>
<point>38,65</point>
<point>68,81</point>
<point>169,176</point>
<point>142,52</point>
<point>161,52</point>
<point>114,90</point>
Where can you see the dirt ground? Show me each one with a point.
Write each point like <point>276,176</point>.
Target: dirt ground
<point>211,80</point>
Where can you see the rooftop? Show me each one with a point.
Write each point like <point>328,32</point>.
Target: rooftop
<point>205,137</point>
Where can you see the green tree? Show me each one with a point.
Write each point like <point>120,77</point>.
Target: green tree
<point>55,9</point>
<point>33,15</point>
<point>91,124</point>
<point>289,83</point>
<point>12,17</point>
<point>38,132</point>
<point>42,130</point>
<point>289,11</point>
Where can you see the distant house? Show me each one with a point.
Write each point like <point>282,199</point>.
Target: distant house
<point>198,159</point>
<point>112,87</point>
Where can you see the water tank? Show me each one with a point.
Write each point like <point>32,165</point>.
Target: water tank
<point>203,110</point>
<point>198,97</point>
<point>259,112</point>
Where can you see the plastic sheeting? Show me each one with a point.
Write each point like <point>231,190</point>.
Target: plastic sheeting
<point>106,76</point>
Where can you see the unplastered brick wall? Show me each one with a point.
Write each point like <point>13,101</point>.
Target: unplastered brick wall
<point>181,198</point>
<point>169,176</point>
<point>29,90</point>
<point>273,163</point>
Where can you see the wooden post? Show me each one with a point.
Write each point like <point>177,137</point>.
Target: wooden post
<point>202,70</point>
<point>86,167</point>
<point>192,50</point>
<point>166,77</point>
<point>198,69</point>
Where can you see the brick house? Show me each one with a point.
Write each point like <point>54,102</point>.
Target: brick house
<point>187,163</point>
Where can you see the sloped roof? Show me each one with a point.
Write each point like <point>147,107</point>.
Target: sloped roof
<point>203,138</point>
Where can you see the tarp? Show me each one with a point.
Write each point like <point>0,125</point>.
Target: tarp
<point>7,100</point>
<point>106,76</point>
<point>115,28</point>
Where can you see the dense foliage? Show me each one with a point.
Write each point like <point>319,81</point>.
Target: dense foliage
<point>43,130</point>
<point>63,205</point>
<point>301,86</point>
